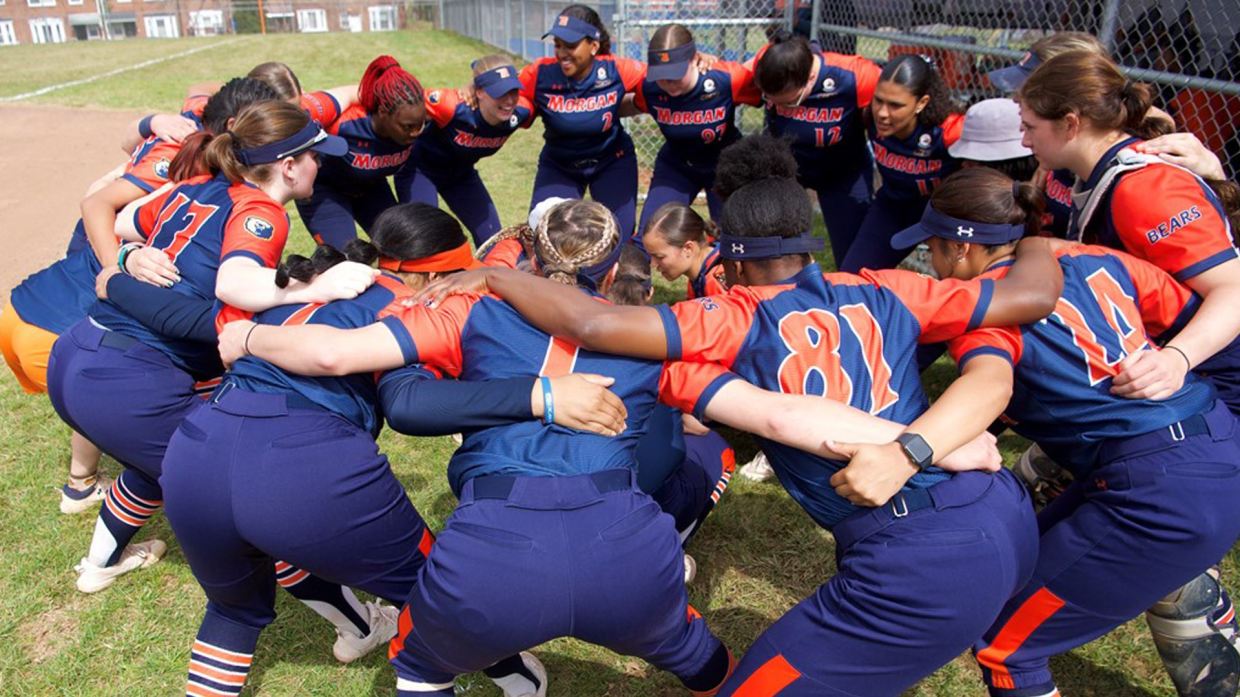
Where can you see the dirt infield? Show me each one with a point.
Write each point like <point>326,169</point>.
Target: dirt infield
<point>51,154</point>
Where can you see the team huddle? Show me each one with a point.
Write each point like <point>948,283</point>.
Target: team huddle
<point>1084,282</point>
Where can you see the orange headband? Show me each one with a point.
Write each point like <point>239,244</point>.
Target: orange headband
<point>450,260</point>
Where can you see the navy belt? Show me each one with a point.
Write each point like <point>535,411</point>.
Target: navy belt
<point>292,400</point>
<point>118,341</point>
<point>500,486</point>
<point>1120,448</point>
<point>909,501</point>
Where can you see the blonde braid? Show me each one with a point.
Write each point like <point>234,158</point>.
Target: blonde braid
<point>556,265</point>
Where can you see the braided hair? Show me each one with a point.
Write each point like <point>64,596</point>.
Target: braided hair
<point>572,237</point>
<point>386,87</point>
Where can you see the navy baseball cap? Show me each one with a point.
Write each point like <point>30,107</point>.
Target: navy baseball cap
<point>498,82</point>
<point>572,30</point>
<point>1010,79</point>
<point>671,63</point>
<point>936,224</point>
<point>310,137</point>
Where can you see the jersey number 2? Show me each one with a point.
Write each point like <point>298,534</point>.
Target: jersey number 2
<point>813,337</point>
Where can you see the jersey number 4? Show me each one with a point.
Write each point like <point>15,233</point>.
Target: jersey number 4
<point>814,365</point>
<point>1120,333</point>
<point>189,216</point>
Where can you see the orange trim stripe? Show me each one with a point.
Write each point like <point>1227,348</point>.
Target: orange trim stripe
<point>773,676</point>
<point>1033,613</point>
<point>282,566</point>
<point>124,517</point>
<point>215,652</point>
<point>404,625</point>
<point>424,545</point>
<point>194,689</point>
<point>215,674</point>
<point>293,578</point>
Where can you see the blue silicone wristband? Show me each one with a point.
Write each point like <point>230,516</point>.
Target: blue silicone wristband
<point>548,401</point>
<point>144,127</point>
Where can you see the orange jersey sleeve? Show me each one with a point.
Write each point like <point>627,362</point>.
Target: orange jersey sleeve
<point>151,169</point>
<point>505,254</point>
<point>435,332</point>
<point>257,228</point>
<point>689,386</point>
<point>639,100</point>
<point>1180,230</point>
<point>321,107</point>
<point>944,309</point>
<point>952,127</point>
<point>710,329</point>
<point>1005,342</point>
<point>865,70</point>
<point>441,105</point>
<point>744,91</point>
<point>632,72</point>
<point>529,79</point>
<point>195,104</point>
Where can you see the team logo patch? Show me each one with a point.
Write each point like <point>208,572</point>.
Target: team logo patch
<point>161,168</point>
<point>433,97</point>
<point>828,85</point>
<point>665,57</point>
<point>602,73</point>
<point>924,141</point>
<point>513,121</point>
<point>258,227</point>
<point>708,85</point>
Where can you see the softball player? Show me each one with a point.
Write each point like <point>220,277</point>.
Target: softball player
<point>231,224</point>
<point>578,93</point>
<point>913,121</point>
<point>816,100</point>
<point>234,519</point>
<point>1155,480</point>
<point>444,159</point>
<point>380,130</point>
<point>49,302</point>
<point>971,537</point>
<point>696,113</point>
<point>554,513</point>
<point>680,243</point>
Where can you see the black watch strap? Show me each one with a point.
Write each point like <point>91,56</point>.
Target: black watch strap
<point>916,449</point>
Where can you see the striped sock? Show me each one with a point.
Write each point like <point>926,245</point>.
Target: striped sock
<point>216,670</point>
<point>334,603</point>
<point>406,687</point>
<point>131,501</point>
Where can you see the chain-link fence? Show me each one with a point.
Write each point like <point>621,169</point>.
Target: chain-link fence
<point>1188,49</point>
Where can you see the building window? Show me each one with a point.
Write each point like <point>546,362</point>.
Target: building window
<point>161,26</point>
<point>382,17</point>
<point>7,36</point>
<point>41,3</point>
<point>47,30</point>
<point>206,22</point>
<point>75,2</point>
<point>311,20</point>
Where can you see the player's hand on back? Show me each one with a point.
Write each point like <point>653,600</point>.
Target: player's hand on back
<point>1187,151</point>
<point>462,283</point>
<point>101,281</point>
<point>981,453</point>
<point>692,426</point>
<point>232,341</point>
<point>1150,375</point>
<point>151,265</point>
<point>581,401</point>
<point>344,281</point>
<point>172,128</point>
<point>874,473</point>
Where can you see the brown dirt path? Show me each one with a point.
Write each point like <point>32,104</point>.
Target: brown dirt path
<point>50,155</point>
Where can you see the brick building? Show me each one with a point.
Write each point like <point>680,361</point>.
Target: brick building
<point>56,21</point>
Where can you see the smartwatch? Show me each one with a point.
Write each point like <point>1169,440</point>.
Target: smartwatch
<point>916,449</point>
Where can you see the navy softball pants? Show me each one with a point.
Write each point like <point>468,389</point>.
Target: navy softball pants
<point>612,181</point>
<point>332,214</point>
<point>461,188</point>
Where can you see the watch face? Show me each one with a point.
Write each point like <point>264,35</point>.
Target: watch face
<point>917,449</point>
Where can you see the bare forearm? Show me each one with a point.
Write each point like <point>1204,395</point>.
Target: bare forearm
<point>1030,290</point>
<point>1215,325</point>
<point>967,407</point>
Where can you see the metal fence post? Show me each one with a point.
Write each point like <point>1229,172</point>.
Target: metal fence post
<point>1110,23</point>
<point>815,20</point>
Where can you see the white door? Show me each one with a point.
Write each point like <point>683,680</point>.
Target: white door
<point>161,26</point>
<point>8,37</point>
<point>351,22</point>
<point>47,30</point>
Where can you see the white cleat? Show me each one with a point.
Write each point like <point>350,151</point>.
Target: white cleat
<point>758,469</point>
<point>690,569</point>
<point>382,621</point>
<point>517,685</point>
<point>92,579</point>
<point>72,506</point>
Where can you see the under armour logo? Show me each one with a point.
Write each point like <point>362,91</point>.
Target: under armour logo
<point>738,248</point>
<point>962,231</point>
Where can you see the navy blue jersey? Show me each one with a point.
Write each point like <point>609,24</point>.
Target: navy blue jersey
<point>458,136</point>
<point>1064,365</point>
<point>581,119</point>
<point>698,124</point>
<point>844,337</point>
<point>199,224</point>
<point>371,157</point>
<point>710,278</point>
<point>353,397</point>
<point>1057,193</point>
<point>826,130</point>
<point>60,295</point>
<point>483,338</point>
<point>912,167</point>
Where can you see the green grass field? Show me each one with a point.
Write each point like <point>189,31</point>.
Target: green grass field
<point>758,554</point>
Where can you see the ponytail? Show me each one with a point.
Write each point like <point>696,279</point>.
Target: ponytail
<point>784,64</point>
<point>1138,99</point>
<point>574,239</point>
<point>1093,87</point>
<point>988,196</point>
<point>633,283</point>
<point>236,94</point>
<point>189,160</point>
<point>1031,201</point>
<point>256,125</point>
<point>385,87</point>
<point>299,268</point>
<point>679,224</point>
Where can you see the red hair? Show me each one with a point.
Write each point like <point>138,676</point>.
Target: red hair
<point>386,87</point>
